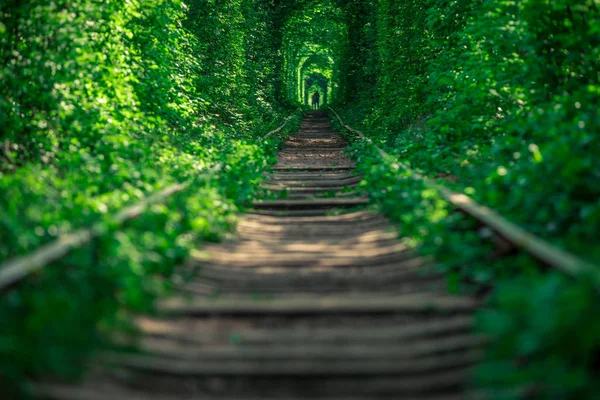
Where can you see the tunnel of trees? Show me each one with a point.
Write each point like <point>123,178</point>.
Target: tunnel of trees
<point>103,103</point>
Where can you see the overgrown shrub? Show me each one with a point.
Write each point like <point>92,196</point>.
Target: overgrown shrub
<point>495,96</point>
<point>498,99</point>
<point>101,104</point>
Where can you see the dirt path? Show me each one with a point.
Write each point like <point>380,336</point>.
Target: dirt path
<point>316,297</point>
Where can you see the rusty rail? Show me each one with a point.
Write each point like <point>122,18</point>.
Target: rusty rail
<point>519,237</point>
<point>19,267</point>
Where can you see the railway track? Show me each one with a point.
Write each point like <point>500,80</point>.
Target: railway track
<point>315,297</point>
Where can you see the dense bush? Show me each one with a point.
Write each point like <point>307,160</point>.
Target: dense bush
<point>549,327</point>
<point>532,318</point>
<point>495,96</point>
<point>498,99</point>
<point>101,104</point>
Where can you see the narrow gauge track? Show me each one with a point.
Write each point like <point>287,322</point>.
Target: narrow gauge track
<point>315,297</point>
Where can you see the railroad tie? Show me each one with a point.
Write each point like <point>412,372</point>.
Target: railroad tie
<point>315,297</point>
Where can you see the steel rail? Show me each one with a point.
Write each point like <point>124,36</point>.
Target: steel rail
<point>519,237</point>
<point>276,131</point>
<point>273,132</point>
<point>15,269</point>
<point>18,268</point>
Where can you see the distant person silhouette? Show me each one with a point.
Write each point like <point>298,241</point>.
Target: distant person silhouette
<point>315,100</point>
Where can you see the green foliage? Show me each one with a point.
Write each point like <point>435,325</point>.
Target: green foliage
<point>549,326</point>
<point>360,68</point>
<point>494,96</point>
<point>314,36</point>
<point>102,104</point>
<point>498,99</point>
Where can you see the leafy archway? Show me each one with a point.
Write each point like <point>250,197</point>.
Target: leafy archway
<point>316,67</point>
<point>315,33</point>
<point>316,82</point>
